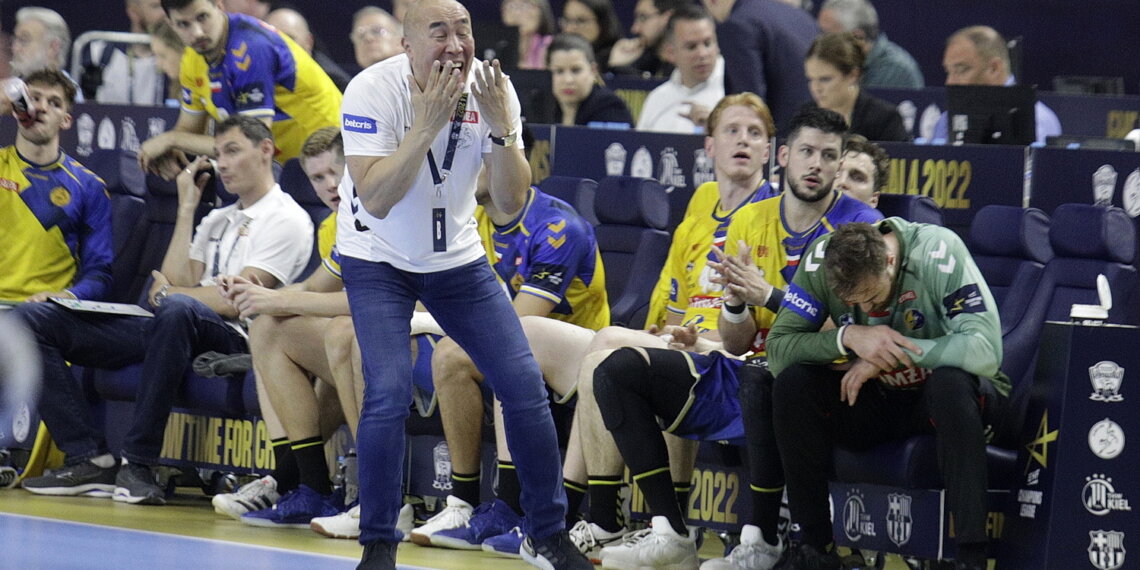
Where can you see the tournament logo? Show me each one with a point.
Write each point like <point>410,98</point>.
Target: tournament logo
<point>1106,377</point>
<point>1131,194</point>
<point>702,168</point>
<point>1106,439</point>
<point>85,127</point>
<point>1100,497</point>
<point>642,164</point>
<point>856,520</point>
<point>615,159</point>
<point>441,457</point>
<point>358,124</point>
<point>670,167</point>
<point>914,319</point>
<point>899,521</point>
<point>1104,185</point>
<point>1106,549</point>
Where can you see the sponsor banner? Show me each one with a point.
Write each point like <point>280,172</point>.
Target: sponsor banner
<point>209,441</point>
<point>719,497</point>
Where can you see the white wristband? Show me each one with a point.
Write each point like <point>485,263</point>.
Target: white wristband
<point>736,318</point>
<point>839,340</point>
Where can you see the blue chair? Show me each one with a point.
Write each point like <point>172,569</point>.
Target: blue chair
<point>910,207</point>
<point>578,192</point>
<point>632,214</point>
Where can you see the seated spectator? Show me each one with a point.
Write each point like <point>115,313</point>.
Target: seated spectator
<point>126,73</point>
<point>643,54</point>
<point>887,64</point>
<point>978,55</point>
<point>596,21</point>
<point>682,104</point>
<point>55,219</point>
<point>833,67</point>
<point>375,36</point>
<point>167,48</point>
<point>863,170</point>
<point>294,25</point>
<point>264,236</point>
<point>535,21</point>
<point>582,99</point>
<point>41,40</point>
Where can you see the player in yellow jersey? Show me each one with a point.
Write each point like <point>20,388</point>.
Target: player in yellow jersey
<point>236,64</point>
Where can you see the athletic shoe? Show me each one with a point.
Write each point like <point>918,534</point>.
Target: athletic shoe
<point>506,544</point>
<point>296,509</point>
<point>805,557</point>
<point>8,477</point>
<point>85,479</point>
<point>556,552</point>
<point>454,515</point>
<point>488,520</point>
<point>591,539</point>
<point>253,496</point>
<point>661,548</point>
<point>751,554</point>
<point>347,524</point>
<point>378,556</point>
<point>135,484</point>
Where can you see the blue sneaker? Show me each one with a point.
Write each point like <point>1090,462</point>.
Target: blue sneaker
<point>506,544</point>
<point>296,509</point>
<point>489,519</point>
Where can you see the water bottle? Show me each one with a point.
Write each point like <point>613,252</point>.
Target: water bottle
<point>17,93</point>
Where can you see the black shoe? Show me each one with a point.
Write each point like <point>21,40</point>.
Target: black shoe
<point>805,557</point>
<point>135,484</point>
<point>86,479</point>
<point>378,555</point>
<point>556,552</point>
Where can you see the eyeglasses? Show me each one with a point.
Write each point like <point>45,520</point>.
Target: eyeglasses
<point>575,22</point>
<point>364,33</point>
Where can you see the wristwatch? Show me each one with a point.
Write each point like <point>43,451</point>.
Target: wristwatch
<point>508,139</point>
<point>160,296</point>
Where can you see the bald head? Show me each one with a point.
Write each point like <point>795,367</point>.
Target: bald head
<point>977,55</point>
<point>293,24</point>
<point>422,14</point>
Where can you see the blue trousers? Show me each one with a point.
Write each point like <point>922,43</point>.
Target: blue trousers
<point>181,329</point>
<point>472,309</point>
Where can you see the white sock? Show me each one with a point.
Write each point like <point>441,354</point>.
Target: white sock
<point>104,461</point>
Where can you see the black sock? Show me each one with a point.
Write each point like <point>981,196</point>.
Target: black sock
<point>466,486</point>
<point>509,490</point>
<point>766,511</point>
<point>657,486</point>
<point>311,465</point>
<point>575,492</point>
<point>285,472</point>
<point>681,490</point>
<point>605,506</point>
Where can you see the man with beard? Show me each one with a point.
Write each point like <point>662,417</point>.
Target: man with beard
<point>238,65</point>
<point>694,394</point>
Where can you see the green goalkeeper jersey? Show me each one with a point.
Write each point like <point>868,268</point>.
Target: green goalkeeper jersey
<point>939,300</point>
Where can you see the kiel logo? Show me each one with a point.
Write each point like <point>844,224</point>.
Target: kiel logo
<point>856,520</point>
<point>1106,549</point>
<point>1100,498</point>
<point>899,520</point>
<point>1106,377</point>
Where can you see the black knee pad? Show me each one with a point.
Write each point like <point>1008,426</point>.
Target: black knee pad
<point>615,381</point>
<point>755,383</point>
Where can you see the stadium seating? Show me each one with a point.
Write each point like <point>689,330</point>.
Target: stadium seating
<point>578,192</point>
<point>911,207</point>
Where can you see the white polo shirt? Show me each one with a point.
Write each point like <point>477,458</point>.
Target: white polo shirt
<point>662,109</point>
<point>274,235</point>
<point>376,112</point>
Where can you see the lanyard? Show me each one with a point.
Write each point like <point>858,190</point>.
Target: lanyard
<point>217,268</point>
<point>439,175</point>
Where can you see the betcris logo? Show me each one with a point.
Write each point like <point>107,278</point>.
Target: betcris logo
<point>802,303</point>
<point>358,124</point>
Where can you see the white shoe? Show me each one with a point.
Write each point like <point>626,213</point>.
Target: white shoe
<point>251,497</point>
<point>347,524</point>
<point>661,549</point>
<point>455,515</point>
<point>591,538</point>
<point>753,553</point>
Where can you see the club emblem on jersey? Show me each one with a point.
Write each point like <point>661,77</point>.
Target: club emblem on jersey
<point>60,196</point>
<point>1106,549</point>
<point>914,319</point>
<point>1106,377</point>
<point>899,520</point>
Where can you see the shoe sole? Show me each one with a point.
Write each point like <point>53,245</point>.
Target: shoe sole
<point>263,523</point>
<point>122,495</point>
<point>324,531</point>
<point>421,539</point>
<point>453,543</point>
<point>489,548</point>
<point>97,491</point>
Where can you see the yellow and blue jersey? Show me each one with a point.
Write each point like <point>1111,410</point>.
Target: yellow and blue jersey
<point>685,287</point>
<point>263,74</point>
<point>549,251</point>
<point>777,250</point>
<point>55,224</point>
<point>326,245</point>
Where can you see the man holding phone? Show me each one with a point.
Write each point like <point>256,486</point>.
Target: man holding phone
<point>265,236</point>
